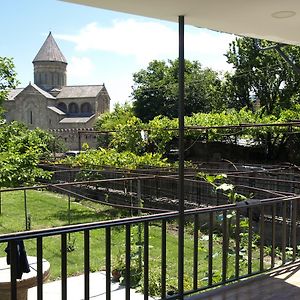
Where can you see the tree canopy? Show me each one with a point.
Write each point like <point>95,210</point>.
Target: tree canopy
<point>7,77</point>
<point>20,152</point>
<point>156,89</point>
<point>262,75</point>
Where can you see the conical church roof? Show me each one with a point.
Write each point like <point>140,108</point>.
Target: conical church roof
<point>50,51</point>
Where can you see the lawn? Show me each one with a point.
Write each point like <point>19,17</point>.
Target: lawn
<point>49,209</point>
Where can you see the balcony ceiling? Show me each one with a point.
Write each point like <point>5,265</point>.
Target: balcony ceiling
<point>276,20</point>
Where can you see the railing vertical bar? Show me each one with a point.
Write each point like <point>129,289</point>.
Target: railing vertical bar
<point>224,247</point>
<point>196,238</point>
<point>26,210</point>
<point>283,246</point>
<point>294,227</point>
<point>63,266</point>
<point>262,238</point>
<point>250,240</point>
<point>127,263</point>
<point>273,236</point>
<point>13,269</point>
<point>237,244</point>
<point>146,260</point>
<point>108,261</point>
<point>86,264</point>
<point>210,248</point>
<point>39,254</point>
<point>163,258</point>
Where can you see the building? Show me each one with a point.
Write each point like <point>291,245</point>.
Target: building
<point>50,104</point>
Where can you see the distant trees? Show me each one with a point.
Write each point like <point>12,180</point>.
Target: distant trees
<point>262,75</point>
<point>156,89</point>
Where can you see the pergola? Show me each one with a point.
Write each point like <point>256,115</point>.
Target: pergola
<point>274,20</point>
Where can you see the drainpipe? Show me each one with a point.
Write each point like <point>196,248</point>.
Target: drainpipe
<point>181,158</point>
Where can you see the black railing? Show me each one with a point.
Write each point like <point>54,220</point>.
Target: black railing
<point>263,228</point>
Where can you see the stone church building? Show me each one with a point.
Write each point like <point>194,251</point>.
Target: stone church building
<point>50,104</point>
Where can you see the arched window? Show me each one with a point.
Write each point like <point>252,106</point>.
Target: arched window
<point>86,108</point>
<point>62,106</point>
<point>73,108</point>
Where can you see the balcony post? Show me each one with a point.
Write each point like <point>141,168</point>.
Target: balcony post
<point>181,158</point>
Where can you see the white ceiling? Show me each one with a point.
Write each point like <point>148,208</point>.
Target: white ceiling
<point>277,20</point>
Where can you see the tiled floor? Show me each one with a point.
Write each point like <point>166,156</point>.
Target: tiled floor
<point>282,284</point>
<point>52,290</point>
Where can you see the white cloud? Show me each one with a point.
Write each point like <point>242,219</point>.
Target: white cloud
<point>148,40</point>
<point>139,42</point>
<point>80,68</point>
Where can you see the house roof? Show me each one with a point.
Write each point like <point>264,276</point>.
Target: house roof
<point>56,110</point>
<point>76,120</point>
<point>13,93</point>
<point>50,51</point>
<point>79,91</point>
<point>44,93</point>
<point>275,20</point>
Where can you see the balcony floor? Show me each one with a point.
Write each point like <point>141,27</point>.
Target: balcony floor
<point>280,284</point>
<point>52,290</point>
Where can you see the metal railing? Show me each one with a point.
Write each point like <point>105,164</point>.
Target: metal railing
<point>271,227</point>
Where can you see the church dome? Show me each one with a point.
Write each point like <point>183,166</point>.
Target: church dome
<point>50,51</point>
<point>50,66</point>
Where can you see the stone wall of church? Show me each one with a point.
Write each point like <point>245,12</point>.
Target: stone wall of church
<point>49,75</point>
<point>31,109</point>
<point>73,139</point>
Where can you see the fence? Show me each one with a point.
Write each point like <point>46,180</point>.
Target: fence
<point>232,223</point>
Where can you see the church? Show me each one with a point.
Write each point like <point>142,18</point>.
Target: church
<point>49,103</point>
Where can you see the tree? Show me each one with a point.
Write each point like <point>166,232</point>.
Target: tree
<point>110,121</point>
<point>156,89</point>
<point>7,77</point>
<point>20,152</point>
<point>119,116</point>
<point>262,75</point>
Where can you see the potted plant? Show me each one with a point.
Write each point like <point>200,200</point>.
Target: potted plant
<point>118,267</point>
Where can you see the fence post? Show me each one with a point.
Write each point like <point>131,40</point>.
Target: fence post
<point>0,202</point>
<point>140,204</point>
<point>26,212</point>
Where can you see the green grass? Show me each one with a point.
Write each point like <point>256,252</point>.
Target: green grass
<point>51,210</point>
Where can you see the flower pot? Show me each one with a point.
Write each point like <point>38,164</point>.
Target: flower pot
<point>116,274</point>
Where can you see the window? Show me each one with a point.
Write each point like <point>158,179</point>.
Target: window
<point>30,117</point>
<point>86,108</point>
<point>73,108</point>
<point>62,106</point>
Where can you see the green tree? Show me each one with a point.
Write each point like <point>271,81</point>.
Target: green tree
<point>119,116</point>
<point>109,121</point>
<point>262,75</point>
<point>20,152</point>
<point>156,89</point>
<point>7,77</point>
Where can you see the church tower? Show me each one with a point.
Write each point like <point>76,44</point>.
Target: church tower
<point>50,67</point>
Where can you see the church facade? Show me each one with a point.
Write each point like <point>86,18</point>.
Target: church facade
<point>50,104</point>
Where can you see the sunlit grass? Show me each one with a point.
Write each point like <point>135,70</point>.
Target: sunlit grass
<point>49,210</point>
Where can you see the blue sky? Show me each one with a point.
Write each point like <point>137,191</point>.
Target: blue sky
<point>100,46</point>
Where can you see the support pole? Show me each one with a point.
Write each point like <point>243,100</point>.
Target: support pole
<point>181,158</point>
